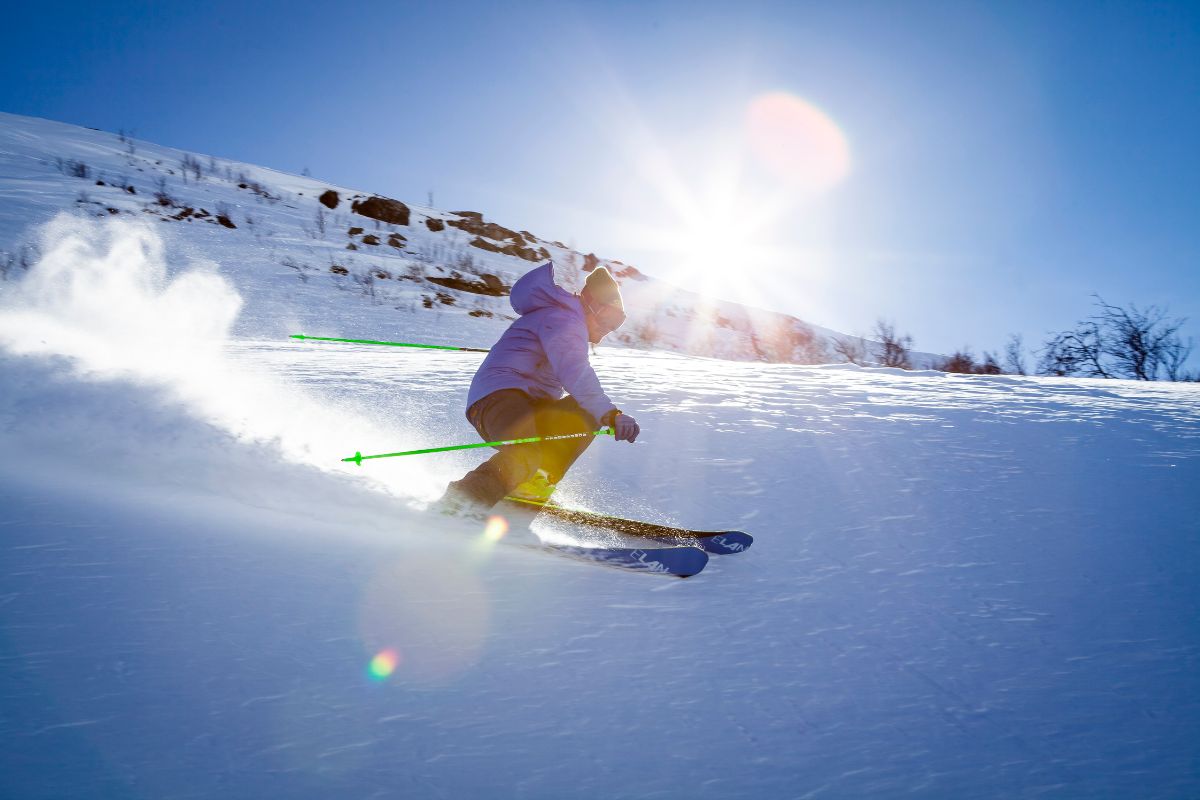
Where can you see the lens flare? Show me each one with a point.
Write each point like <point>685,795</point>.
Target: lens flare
<point>495,529</point>
<point>432,612</point>
<point>383,665</point>
<point>797,142</point>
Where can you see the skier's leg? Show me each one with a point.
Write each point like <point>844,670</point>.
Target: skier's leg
<point>503,415</point>
<point>560,417</point>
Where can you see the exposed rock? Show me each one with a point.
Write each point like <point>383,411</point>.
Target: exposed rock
<point>354,231</point>
<point>435,225</point>
<point>329,199</point>
<point>488,284</point>
<point>590,262</point>
<point>226,221</point>
<point>484,244</point>
<point>397,241</point>
<point>370,238</point>
<point>383,209</point>
<point>527,253</point>
<point>339,270</point>
<point>475,224</point>
<point>479,312</point>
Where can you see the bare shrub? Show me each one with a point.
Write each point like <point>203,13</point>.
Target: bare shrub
<point>73,168</point>
<point>1119,342</point>
<point>851,348</point>
<point>961,362</point>
<point>260,191</point>
<point>1014,355</point>
<point>161,194</point>
<point>897,349</point>
<point>989,365</point>
<point>365,282</point>
<point>190,164</point>
<point>1074,352</point>
<point>300,267</point>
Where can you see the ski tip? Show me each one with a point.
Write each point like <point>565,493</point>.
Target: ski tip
<point>728,542</point>
<point>297,336</point>
<point>357,458</point>
<point>684,562</point>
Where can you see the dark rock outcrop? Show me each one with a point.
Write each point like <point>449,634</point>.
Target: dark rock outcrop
<point>329,198</point>
<point>487,284</point>
<point>383,209</point>
<point>475,224</point>
<point>512,249</point>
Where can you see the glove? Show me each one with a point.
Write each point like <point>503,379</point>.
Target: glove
<point>625,427</point>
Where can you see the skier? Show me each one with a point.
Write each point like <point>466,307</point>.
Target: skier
<point>537,381</point>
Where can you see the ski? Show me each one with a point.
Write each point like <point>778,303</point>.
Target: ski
<point>716,542</point>
<point>682,562</point>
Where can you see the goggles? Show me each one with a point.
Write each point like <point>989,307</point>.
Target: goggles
<point>609,317</point>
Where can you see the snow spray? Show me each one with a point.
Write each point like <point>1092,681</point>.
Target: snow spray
<point>104,297</point>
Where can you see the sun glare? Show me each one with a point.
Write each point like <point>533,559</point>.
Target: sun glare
<point>723,209</point>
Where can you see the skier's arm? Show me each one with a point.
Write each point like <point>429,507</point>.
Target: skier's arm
<point>566,346</point>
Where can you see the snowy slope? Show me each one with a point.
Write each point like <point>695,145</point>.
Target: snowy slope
<point>960,587</point>
<point>302,266</point>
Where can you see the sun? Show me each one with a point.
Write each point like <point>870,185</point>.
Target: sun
<point>722,208</point>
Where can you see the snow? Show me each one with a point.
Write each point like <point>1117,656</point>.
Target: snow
<point>961,586</point>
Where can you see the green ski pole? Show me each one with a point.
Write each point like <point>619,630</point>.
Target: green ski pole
<point>389,344</point>
<point>358,458</point>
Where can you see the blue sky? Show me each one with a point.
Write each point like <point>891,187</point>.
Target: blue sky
<point>1005,160</point>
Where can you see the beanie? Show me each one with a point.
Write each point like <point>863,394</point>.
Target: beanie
<point>601,288</point>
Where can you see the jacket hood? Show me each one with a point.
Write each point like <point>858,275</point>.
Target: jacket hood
<point>537,289</point>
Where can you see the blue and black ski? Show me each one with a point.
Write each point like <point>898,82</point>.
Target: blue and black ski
<point>682,562</point>
<point>717,542</point>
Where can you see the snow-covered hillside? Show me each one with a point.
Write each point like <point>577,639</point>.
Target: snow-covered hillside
<point>342,262</point>
<point>961,586</point>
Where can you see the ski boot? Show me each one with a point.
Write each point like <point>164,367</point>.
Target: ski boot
<point>537,490</point>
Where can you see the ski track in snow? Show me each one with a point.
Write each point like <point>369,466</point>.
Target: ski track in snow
<point>960,587</point>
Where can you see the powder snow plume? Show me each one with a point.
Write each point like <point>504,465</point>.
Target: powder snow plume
<point>104,297</point>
